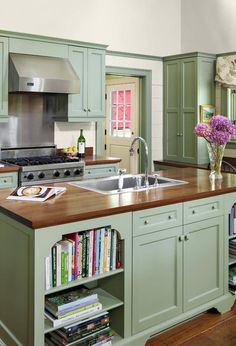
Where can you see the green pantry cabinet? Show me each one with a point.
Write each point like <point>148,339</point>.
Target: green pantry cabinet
<point>174,266</point>
<point>88,60</point>
<point>188,83</point>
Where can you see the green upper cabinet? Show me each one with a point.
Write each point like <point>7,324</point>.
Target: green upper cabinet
<point>188,83</point>
<point>89,64</point>
<point>3,79</point>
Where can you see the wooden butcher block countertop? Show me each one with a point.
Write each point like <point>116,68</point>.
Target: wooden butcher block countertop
<point>79,204</point>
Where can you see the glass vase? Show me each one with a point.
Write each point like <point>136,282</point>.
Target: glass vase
<point>216,153</point>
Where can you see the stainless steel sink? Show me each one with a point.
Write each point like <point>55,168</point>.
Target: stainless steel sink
<point>109,185</point>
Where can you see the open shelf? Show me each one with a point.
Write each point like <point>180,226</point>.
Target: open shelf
<point>108,301</point>
<point>232,260</point>
<point>83,281</point>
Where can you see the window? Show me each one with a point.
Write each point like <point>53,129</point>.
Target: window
<point>120,117</point>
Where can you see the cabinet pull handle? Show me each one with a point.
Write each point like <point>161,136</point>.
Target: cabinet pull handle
<point>181,238</point>
<point>186,237</point>
<point>146,222</point>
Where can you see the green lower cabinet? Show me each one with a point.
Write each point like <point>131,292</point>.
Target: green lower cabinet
<point>100,171</point>
<point>203,262</point>
<point>178,269</point>
<point>8,180</point>
<point>157,278</point>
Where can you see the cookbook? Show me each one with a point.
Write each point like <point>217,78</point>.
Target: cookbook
<point>35,193</point>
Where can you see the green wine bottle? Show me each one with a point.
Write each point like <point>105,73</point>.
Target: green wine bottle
<point>81,145</point>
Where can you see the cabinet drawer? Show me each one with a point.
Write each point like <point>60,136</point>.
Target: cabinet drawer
<point>100,171</point>
<point>202,209</point>
<point>8,180</point>
<point>157,219</point>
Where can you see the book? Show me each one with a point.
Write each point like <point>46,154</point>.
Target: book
<point>70,298</point>
<point>72,329</point>
<point>80,255</point>
<point>71,310</point>
<point>35,193</point>
<point>75,238</point>
<point>58,322</point>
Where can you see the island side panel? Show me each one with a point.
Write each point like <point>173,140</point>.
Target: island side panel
<point>16,288</point>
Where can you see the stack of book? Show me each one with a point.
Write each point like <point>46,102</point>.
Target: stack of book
<point>232,279</point>
<point>92,331</point>
<point>232,220</point>
<point>82,254</point>
<point>232,248</point>
<point>69,305</point>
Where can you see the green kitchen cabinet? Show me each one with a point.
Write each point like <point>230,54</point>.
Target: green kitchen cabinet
<point>100,171</point>
<point>203,262</point>
<point>3,79</point>
<point>179,269</point>
<point>188,83</point>
<point>8,180</point>
<point>157,278</point>
<point>89,64</point>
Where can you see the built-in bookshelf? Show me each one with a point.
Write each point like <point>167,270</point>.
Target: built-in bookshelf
<point>232,250</point>
<point>93,259</point>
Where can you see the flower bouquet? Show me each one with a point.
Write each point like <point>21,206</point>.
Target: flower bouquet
<point>219,131</point>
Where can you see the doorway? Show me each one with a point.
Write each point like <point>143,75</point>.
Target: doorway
<point>145,111</point>
<point>122,120</point>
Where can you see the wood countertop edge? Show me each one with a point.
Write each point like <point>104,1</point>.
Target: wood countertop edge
<point>100,161</point>
<point>113,211</point>
<point>9,169</point>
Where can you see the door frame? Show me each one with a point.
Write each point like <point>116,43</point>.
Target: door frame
<point>145,109</point>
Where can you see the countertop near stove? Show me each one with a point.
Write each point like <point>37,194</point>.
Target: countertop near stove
<point>100,160</point>
<point>8,168</point>
<point>79,204</point>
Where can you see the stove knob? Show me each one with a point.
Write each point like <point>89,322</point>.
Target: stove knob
<point>78,171</point>
<point>41,175</point>
<point>67,172</point>
<point>30,176</point>
<point>56,173</point>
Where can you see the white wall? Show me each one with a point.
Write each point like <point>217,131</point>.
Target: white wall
<point>208,26</point>
<point>139,26</point>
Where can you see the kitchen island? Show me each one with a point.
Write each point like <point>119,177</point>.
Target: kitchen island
<point>174,255</point>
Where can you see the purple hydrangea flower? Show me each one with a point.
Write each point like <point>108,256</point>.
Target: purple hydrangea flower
<point>219,131</point>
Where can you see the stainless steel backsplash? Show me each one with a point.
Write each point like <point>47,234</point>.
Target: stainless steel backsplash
<point>30,122</point>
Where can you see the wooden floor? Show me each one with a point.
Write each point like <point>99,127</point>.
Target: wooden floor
<point>207,329</point>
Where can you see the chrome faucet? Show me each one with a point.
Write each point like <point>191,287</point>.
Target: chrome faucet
<point>131,150</point>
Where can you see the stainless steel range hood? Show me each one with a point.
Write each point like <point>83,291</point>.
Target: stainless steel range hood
<point>32,73</point>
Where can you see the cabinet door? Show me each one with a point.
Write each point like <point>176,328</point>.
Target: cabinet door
<point>77,103</point>
<point>203,262</point>
<point>96,83</point>
<point>3,79</point>
<point>188,110</point>
<point>171,110</point>
<point>157,278</point>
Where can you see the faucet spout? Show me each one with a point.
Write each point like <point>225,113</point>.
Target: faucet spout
<point>131,150</point>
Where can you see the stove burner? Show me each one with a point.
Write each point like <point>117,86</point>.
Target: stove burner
<point>39,160</point>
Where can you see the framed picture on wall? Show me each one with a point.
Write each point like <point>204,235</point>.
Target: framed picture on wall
<point>206,112</point>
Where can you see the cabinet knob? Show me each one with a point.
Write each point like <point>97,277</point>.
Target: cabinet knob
<point>169,217</point>
<point>89,110</point>
<point>193,212</point>
<point>85,110</point>
<point>186,237</point>
<point>4,181</point>
<point>181,238</point>
<point>146,222</point>
<point>213,207</point>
